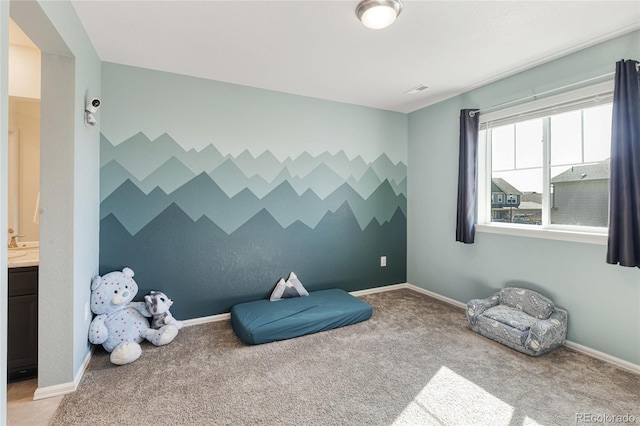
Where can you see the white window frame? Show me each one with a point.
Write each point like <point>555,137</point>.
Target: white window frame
<point>576,99</point>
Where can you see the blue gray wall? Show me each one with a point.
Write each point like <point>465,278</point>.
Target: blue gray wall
<point>211,192</point>
<point>603,300</point>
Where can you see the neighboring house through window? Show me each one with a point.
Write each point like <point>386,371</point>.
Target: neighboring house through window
<point>581,195</point>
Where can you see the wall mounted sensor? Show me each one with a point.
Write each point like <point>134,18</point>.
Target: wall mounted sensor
<point>89,110</point>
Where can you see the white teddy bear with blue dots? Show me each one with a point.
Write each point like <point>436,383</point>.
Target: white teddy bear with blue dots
<point>120,324</point>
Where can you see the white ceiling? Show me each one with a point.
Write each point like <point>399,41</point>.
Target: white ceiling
<point>320,49</point>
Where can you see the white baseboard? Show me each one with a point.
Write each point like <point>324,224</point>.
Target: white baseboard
<point>83,367</point>
<point>364,292</point>
<point>204,320</point>
<point>64,388</point>
<point>55,390</point>
<point>625,365</point>
<point>410,287</point>
<point>437,296</point>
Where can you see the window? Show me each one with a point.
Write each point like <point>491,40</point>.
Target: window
<point>551,159</point>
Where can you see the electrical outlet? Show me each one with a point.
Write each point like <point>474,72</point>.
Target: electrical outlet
<point>383,260</point>
<point>87,312</point>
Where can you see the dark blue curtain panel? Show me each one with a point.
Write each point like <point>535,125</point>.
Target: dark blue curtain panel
<point>624,211</point>
<point>467,176</point>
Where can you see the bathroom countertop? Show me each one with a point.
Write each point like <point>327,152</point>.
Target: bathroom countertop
<point>26,254</point>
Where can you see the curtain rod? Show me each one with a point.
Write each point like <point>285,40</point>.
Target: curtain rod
<point>477,111</point>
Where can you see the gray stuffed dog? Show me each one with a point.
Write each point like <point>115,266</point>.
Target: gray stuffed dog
<point>158,305</point>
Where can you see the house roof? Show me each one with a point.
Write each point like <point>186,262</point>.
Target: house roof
<point>529,205</point>
<point>595,171</point>
<point>505,186</point>
<point>535,197</point>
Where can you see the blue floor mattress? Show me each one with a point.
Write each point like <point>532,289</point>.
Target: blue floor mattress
<point>263,321</point>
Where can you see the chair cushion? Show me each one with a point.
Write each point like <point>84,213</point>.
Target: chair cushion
<point>527,301</point>
<point>510,316</point>
<point>500,332</point>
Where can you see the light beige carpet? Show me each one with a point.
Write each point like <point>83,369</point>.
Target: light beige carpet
<point>415,362</point>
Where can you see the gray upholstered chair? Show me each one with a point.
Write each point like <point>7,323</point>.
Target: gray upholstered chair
<point>521,319</point>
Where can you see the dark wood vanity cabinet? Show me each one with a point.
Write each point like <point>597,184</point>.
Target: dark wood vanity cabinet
<point>22,325</point>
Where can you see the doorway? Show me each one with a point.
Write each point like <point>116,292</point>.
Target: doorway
<point>23,205</point>
<point>69,189</point>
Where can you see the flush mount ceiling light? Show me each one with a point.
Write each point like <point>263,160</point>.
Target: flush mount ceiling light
<point>377,14</point>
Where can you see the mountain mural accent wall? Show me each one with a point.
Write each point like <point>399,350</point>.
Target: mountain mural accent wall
<point>211,229</point>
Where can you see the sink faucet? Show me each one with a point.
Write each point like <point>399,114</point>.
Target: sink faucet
<point>13,243</point>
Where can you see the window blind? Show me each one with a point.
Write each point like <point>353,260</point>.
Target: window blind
<point>579,99</point>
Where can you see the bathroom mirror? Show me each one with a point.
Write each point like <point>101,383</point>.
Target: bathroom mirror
<point>24,167</point>
<point>24,135</point>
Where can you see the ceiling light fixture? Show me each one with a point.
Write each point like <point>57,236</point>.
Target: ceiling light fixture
<point>378,14</point>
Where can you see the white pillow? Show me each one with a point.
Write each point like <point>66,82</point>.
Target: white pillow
<point>288,289</point>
